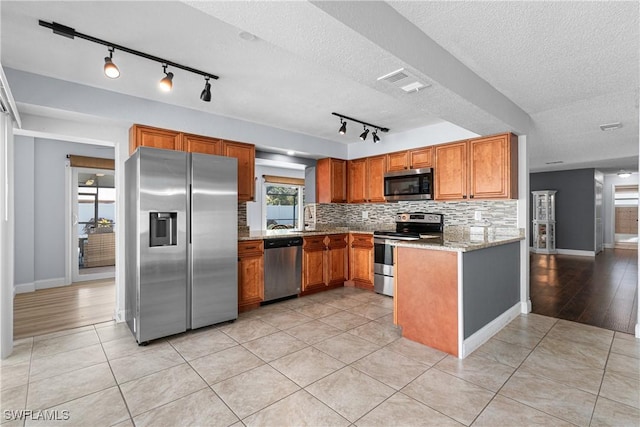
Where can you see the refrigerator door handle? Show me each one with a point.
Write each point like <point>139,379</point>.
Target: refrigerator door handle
<point>189,224</point>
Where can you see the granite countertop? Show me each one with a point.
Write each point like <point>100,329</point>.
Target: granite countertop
<point>464,241</point>
<point>275,234</point>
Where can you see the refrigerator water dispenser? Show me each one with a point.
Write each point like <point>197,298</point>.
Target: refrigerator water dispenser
<point>163,229</point>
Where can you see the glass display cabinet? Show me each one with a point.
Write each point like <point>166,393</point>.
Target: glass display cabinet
<point>544,221</point>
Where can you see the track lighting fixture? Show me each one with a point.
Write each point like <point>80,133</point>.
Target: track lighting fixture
<point>112,71</point>
<point>343,128</point>
<point>205,95</point>
<point>376,138</point>
<point>364,134</point>
<point>366,126</point>
<point>166,84</point>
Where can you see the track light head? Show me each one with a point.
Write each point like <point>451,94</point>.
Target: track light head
<point>343,128</point>
<point>364,134</point>
<point>376,138</point>
<point>166,84</point>
<point>110,69</point>
<point>205,95</point>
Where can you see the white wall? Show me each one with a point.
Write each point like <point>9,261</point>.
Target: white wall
<point>610,181</point>
<point>40,188</point>
<point>254,209</point>
<point>421,137</point>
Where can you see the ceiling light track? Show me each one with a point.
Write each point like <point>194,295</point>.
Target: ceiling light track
<point>71,33</point>
<point>363,135</point>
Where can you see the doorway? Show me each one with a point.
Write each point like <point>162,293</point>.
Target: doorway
<point>93,232</point>
<point>625,216</point>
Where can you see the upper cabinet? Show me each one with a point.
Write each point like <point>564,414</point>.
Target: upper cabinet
<point>366,180</point>
<point>481,168</point>
<point>146,136</point>
<point>201,144</point>
<point>246,155</point>
<point>493,167</point>
<point>410,159</point>
<point>331,181</point>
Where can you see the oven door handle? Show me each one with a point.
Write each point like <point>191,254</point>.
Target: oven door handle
<point>380,241</point>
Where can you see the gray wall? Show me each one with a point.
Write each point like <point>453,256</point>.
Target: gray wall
<point>40,205</point>
<point>575,204</point>
<point>491,284</point>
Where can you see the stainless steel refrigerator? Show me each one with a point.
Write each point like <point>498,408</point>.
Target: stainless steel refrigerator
<point>181,241</point>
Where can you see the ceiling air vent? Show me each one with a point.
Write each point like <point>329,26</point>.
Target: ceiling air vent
<point>403,79</point>
<point>611,126</point>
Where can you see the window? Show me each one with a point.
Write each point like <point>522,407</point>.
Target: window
<point>282,206</point>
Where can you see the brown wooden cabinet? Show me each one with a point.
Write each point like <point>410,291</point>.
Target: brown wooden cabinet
<point>366,179</point>
<point>250,274</point>
<point>493,167</point>
<point>481,168</point>
<point>201,144</point>
<point>410,159</point>
<point>324,262</point>
<point>361,260</point>
<point>450,173</point>
<point>246,155</point>
<point>147,136</point>
<point>331,181</point>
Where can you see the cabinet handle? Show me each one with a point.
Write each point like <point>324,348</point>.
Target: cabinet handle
<point>471,196</point>
<point>238,259</point>
<point>250,247</point>
<point>464,197</point>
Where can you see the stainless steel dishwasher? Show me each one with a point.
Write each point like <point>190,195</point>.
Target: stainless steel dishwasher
<point>282,267</point>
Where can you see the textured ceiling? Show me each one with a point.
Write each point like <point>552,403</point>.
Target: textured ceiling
<point>562,67</point>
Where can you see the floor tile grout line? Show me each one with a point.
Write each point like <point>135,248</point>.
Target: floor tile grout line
<point>126,404</point>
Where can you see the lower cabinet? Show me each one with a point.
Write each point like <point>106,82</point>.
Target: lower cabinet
<point>324,262</point>
<point>250,274</point>
<point>361,260</point>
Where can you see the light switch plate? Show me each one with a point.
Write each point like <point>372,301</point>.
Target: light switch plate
<point>365,214</point>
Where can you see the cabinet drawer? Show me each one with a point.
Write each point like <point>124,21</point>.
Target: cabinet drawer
<point>337,240</point>
<point>362,240</point>
<point>250,247</point>
<point>314,242</point>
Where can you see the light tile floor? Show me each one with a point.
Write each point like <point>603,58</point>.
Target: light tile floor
<point>328,359</point>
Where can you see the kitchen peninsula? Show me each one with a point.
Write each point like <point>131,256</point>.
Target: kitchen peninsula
<point>456,293</point>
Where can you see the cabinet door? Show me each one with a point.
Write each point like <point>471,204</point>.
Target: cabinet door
<point>421,158</point>
<point>361,261</point>
<point>250,279</point>
<point>451,171</point>
<point>246,155</point>
<point>201,144</point>
<point>313,263</point>
<point>145,136</point>
<point>357,181</point>
<point>338,181</point>
<point>376,168</point>
<point>397,161</point>
<point>331,181</point>
<point>337,259</point>
<point>493,167</point>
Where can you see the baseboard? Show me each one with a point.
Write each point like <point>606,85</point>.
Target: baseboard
<point>638,330</point>
<point>490,329</point>
<point>51,283</point>
<point>608,245</point>
<point>575,252</point>
<point>525,307</point>
<point>40,284</point>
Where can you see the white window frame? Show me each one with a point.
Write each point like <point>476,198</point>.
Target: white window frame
<point>300,208</point>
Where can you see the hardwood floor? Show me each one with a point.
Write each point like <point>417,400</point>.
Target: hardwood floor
<point>55,309</point>
<point>600,291</point>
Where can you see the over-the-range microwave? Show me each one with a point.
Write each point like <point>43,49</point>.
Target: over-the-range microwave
<point>410,184</point>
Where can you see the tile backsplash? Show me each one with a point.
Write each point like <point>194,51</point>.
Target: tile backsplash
<point>497,213</point>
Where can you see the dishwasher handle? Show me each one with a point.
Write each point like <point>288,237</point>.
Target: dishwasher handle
<point>282,243</point>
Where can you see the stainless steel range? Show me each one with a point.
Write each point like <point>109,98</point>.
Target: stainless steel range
<point>409,226</point>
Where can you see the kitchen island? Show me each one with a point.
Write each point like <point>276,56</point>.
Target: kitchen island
<point>454,293</point>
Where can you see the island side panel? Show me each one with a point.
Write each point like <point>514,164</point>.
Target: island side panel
<point>427,297</point>
<point>491,284</point>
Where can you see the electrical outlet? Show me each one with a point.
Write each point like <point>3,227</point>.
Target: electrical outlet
<point>365,214</point>
<point>477,215</point>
